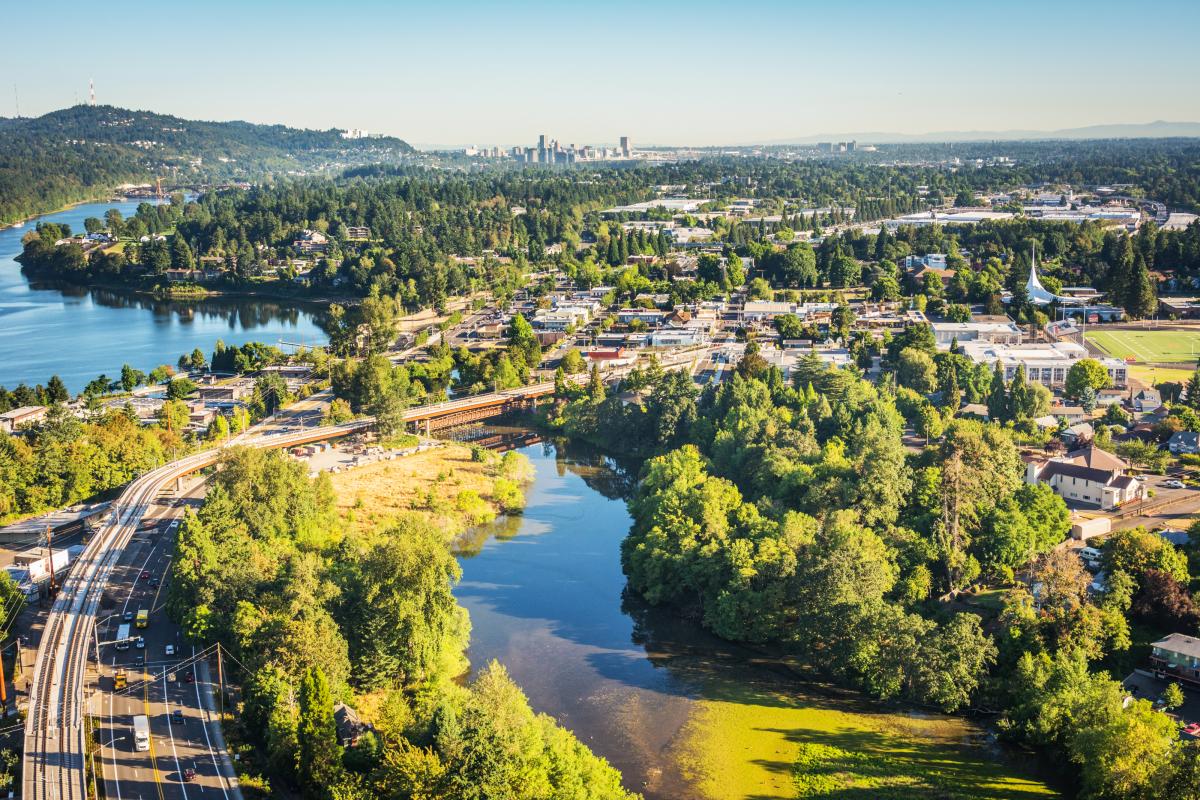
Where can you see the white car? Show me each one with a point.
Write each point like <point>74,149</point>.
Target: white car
<point>170,650</point>
<point>140,643</point>
<point>1174,483</point>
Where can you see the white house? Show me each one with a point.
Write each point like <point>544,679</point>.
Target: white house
<point>1090,476</point>
<point>20,417</point>
<point>1147,400</point>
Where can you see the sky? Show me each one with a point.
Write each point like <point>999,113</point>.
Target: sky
<point>662,72</point>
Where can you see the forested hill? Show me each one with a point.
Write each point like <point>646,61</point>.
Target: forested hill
<point>82,152</point>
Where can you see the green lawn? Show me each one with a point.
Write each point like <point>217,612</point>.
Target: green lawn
<point>1149,346</point>
<point>746,745</point>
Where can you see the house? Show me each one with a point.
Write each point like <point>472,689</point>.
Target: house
<point>1177,656</point>
<point>1147,400</point>
<point>1090,476</point>
<point>977,410</point>
<point>11,421</point>
<point>311,242</point>
<point>1078,435</point>
<point>1184,443</point>
<point>1110,397</point>
<point>349,727</point>
<point>358,232</point>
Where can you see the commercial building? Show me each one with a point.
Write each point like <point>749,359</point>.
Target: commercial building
<point>946,333</point>
<point>1045,363</point>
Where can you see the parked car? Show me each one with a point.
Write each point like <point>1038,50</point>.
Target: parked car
<point>1174,483</point>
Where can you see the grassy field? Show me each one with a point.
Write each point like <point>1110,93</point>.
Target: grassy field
<point>754,747</point>
<point>445,485</point>
<point>1149,346</point>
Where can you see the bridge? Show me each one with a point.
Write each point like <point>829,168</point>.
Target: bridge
<point>53,766</point>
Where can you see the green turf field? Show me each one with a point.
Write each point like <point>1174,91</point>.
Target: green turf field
<point>1149,346</point>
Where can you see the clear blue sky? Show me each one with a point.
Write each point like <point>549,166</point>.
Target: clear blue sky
<point>662,72</point>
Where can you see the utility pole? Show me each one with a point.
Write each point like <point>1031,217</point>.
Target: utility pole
<point>50,558</point>
<point>3,688</point>
<point>221,684</point>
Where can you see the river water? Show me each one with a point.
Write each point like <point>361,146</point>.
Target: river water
<point>78,333</point>
<point>545,592</point>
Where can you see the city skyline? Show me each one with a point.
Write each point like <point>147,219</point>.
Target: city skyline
<point>669,74</point>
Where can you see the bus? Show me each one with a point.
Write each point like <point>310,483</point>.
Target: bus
<point>119,680</point>
<point>143,618</point>
<point>141,732</point>
<point>123,637</point>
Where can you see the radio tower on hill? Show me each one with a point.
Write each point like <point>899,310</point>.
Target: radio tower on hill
<point>91,92</point>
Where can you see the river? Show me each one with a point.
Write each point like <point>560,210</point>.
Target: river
<point>79,333</point>
<point>681,713</point>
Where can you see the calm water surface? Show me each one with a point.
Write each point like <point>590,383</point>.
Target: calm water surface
<point>78,334</point>
<point>545,592</point>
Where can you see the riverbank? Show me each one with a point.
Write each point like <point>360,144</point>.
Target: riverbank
<point>680,712</point>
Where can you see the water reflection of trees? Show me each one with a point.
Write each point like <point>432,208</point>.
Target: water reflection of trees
<point>612,477</point>
<point>237,313</point>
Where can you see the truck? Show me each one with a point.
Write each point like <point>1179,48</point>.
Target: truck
<point>123,637</point>
<point>141,732</point>
<point>143,618</point>
<point>120,681</point>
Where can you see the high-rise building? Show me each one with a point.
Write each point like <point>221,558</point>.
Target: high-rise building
<point>626,147</point>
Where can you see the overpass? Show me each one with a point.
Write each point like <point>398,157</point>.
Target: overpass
<point>53,766</point>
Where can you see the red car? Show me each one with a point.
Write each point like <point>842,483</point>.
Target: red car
<point>145,574</point>
<point>189,678</point>
<point>189,774</point>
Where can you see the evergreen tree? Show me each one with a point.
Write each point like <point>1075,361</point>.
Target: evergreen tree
<point>997,399</point>
<point>1141,299</point>
<point>318,753</point>
<point>56,391</point>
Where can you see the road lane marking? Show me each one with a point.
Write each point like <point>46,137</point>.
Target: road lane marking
<point>153,755</point>
<point>171,733</point>
<point>204,725</point>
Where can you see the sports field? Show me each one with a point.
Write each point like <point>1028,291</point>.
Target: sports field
<point>1149,346</point>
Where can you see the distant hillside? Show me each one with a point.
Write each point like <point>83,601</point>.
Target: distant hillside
<point>82,152</point>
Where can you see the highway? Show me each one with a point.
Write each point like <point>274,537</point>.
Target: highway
<point>55,733</point>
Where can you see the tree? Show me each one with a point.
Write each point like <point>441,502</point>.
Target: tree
<point>319,756</point>
<point>56,391</point>
<point>1083,374</point>
<point>404,626</point>
<point>523,342</point>
<point>1172,696</point>
<point>572,362</point>
<point>197,361</point>
<point>174,415</point>
<point>180,388</point>
<point>916,370</point>
<point>1141,298</point>
<point>131,378</point>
